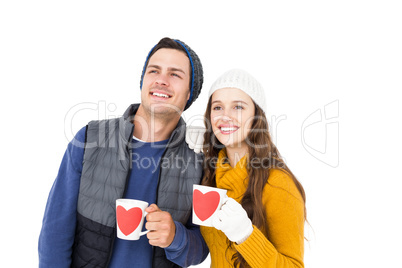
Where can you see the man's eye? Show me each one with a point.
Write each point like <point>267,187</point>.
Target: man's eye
<point>176,75</point>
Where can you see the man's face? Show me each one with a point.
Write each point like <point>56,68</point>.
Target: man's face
<point>165,88</point>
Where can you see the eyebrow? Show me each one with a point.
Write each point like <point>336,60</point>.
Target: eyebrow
<point>172,69</point>
<point>236,101</point>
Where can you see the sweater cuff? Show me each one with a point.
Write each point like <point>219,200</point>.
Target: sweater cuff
<point>178,241</point>
<point>256,249</point>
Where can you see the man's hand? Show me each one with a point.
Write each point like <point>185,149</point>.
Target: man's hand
<point>161,227</point>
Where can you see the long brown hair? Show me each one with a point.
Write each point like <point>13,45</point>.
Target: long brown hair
<point>261,147</point>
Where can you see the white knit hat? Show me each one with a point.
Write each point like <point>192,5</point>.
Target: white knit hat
<point>242,80</point>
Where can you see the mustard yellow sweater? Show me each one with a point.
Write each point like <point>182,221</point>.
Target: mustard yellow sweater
<point>283,244</point>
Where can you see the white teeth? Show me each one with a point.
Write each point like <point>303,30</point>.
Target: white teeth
<point>160,95</point>
<point>227,129</point>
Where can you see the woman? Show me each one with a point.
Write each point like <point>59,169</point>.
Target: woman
<point>262,222</point>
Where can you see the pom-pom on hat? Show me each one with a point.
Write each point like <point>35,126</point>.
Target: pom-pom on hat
<point>242,80</point>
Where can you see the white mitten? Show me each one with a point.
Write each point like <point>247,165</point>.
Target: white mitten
<point>195,138</point>
<point>232,219</point>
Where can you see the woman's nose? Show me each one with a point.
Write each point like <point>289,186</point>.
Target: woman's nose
<point>222,117</point>
<point>226,117</point>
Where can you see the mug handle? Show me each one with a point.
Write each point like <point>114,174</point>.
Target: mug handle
<point>225,199</point>
<point>142,233</point>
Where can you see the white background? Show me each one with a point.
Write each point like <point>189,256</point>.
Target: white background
<point>63,63</point>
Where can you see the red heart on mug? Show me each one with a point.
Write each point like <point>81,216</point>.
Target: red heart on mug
<point>205,204</point>
<point>128,220</point>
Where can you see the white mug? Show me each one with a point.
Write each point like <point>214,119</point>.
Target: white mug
<point>206,202</point>
<point>130,214</point>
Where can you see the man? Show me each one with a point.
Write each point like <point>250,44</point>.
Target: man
<point>141,155</point>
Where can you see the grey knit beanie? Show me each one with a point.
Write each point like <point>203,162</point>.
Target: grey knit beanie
<point>197,74</point>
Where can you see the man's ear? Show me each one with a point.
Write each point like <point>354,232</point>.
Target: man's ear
<point>188,95</point>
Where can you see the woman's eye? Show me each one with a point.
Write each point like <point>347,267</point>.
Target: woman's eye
<point>238,107</point>
<point>216,108</point>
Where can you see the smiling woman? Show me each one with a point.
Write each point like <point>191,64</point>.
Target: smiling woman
<point>262,222</point>
<point>232,114</point>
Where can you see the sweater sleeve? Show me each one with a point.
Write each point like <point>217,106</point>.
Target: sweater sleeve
<point>59,221</point>
<point>284,246</point>
<point>188,247</point>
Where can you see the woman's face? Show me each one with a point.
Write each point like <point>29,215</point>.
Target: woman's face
<point>232,114</point>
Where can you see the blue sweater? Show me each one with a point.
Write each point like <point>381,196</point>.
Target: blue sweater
<point>58,229</point>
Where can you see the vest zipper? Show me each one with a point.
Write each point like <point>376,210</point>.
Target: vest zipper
<point>124,193</point>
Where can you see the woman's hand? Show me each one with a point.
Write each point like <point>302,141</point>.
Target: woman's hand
<point>232,219</point>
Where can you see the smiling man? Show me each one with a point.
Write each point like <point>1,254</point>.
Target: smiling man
<point>165,84</point>
<point>135,157</point>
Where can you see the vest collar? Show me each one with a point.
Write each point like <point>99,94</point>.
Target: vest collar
<point>176,137</point>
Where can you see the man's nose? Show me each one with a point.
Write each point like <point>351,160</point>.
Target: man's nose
<point>162,79</point>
